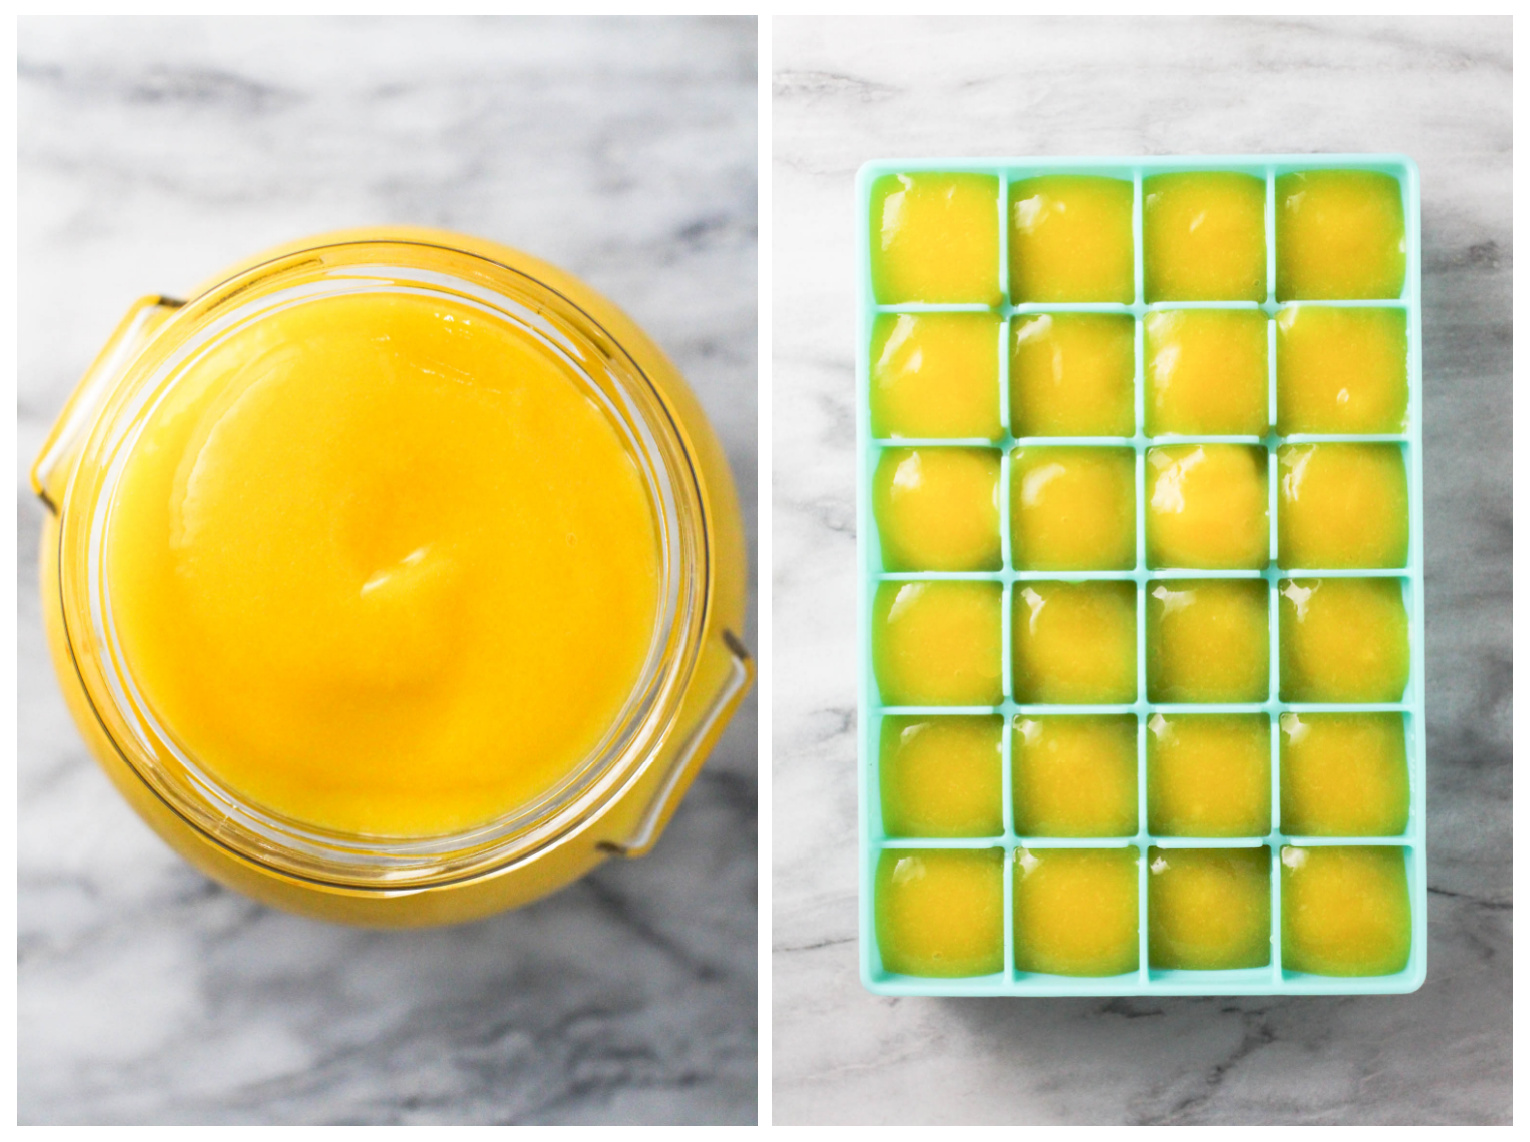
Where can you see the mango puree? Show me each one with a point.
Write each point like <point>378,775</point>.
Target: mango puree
<point>383,564</point>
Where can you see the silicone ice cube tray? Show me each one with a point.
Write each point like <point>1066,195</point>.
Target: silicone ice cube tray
<point>1274,979</point>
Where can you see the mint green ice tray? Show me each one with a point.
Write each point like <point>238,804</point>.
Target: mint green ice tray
<point>1274,979</point>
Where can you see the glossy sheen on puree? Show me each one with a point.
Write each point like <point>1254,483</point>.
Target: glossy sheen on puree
<point>1207,371</point>
<point>1071,374</point>
<point>1339,234</point>
<point>938,643</point>
<point>1208,775</point>
<point>1073,508</point>
<point>937,508</point>
<point>1075,642</point>
<point>1341,369</point>
<point>1208,909</point>
<point>935,238</point>
<point>1070,239</point>
<point>382,565</point>
<point>1344,910</point>
<point>1076,911</point>
<point>1208,507</point>
<point>1075,775</point>
<point>942,776</point>
<point>935,375</point>
<point>940,912</point>
<point>1343,774</point>
<point>1203,236</point>
<point>1342,505</point>
<point>1343,640</point>
<point>1208,640</point>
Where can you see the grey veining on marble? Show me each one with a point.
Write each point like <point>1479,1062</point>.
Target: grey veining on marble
<point>152,153</point>
<point>1440,90</point>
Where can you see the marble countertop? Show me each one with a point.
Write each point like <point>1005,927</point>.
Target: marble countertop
<point>1440,90</point>
<point>153,153</point>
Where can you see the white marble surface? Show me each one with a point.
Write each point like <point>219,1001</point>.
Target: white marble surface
<point>153,153</point>
<point>847,91</point>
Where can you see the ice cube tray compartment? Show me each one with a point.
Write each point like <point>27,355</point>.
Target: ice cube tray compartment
<point>1276,978</point>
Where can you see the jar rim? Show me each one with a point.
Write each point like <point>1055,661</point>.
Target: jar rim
<point>629,398</point>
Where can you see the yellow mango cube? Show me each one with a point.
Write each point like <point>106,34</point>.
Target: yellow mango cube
<point>1342,505</point>
<point>1070,239</point>
<point>937,509</point>
<point>1208,507</point>
<point>1075,642</point>
<point>1208,640</point>
<point>1076,911</point>
<point>938,643</point>
<point>1208,775</point>
<point>1344,910</point>
<point>1208,372</point>
<point>1075,775</point>
<point>1073,508</point>
<point>1341,369</point>
<point>1343,775</point>
<point>935,375</point>
<point>1339,235</point>
<point>1203,236</point>
<point>1343,640</point>
<point>942,776</point>
<point>1073,374</point>
<point>935,238</point>
<point>1208,909</point>
<point>940,912</point>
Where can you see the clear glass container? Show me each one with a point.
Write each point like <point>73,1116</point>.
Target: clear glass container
<point>615,802</point>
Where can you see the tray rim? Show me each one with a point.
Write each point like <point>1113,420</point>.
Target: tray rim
<point>1143,982</point>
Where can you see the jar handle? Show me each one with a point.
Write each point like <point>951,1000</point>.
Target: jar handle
<point>692,752</point>
<point>56,462</point>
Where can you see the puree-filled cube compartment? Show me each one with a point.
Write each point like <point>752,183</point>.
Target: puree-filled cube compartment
<point>1073,508</point>
<point>1344,910</point>
<point>1203,236</point>
<point>1075,775</point>
<point>935,238</point>
<point>1208,372</point>
<point>942,776</point>
<point>1341,369</point>
<point>1208,775</point>
<point>1339,235</point>
<point>1070,239</point>
<point>1342,505</point>
<point>937,509</point>
<point>1343,640</point>
<point>1343,774</point>
<point>1208,909</point>
<point>1075,643</point>
<point>1073,374</point>
<point>1076,911</point>
<point>940,912</point>
<point>935,376</point>
<point>1208,507</point>
<point>938,643</point>
<point>1208,640</point>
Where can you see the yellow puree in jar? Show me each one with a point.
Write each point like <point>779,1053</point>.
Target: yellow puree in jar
<point>382,565</point>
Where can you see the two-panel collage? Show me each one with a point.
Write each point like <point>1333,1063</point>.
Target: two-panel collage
<point>757,570</point>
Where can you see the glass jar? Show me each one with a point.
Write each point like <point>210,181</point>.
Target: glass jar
<point>615,802</point>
